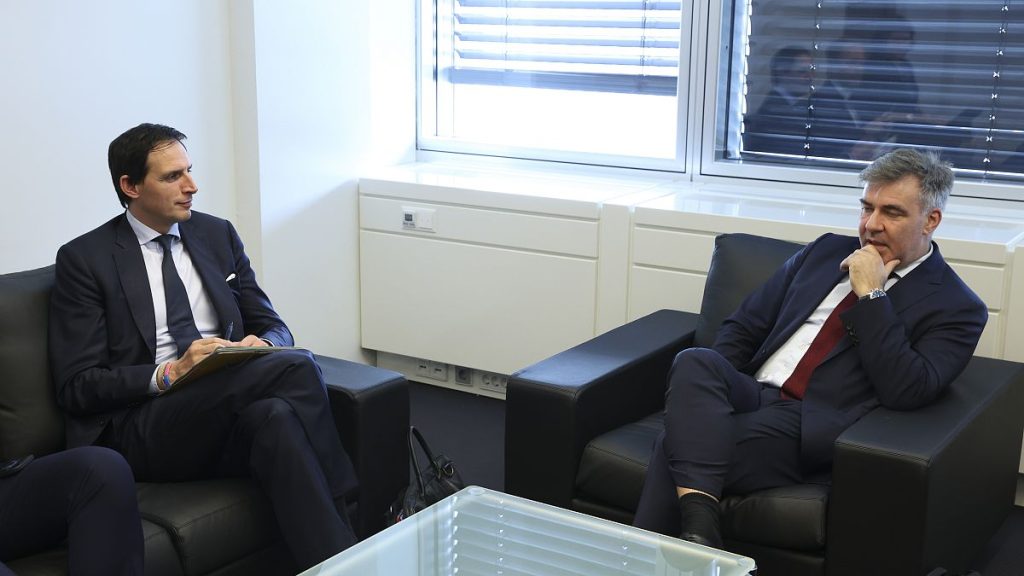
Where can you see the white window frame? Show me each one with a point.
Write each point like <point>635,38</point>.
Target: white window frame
<point>695,140</point>
<point>429,147</point>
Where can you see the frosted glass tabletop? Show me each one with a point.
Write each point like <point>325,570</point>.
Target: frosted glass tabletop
<point>482,532</point>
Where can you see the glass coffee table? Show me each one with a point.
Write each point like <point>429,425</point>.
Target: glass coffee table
<point>482,532</point>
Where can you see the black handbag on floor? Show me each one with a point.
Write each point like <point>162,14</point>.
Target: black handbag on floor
<point>435,481</point>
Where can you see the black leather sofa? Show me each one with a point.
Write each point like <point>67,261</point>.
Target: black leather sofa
<point>911,491</point>
<point>218,527</point>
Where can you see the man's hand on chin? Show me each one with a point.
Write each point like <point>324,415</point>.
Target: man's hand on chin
<point>867,270</point>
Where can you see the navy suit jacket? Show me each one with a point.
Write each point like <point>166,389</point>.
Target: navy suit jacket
<point>900,352</point>
<point>102,326</point>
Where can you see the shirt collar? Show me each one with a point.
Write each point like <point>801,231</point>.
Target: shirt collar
<point>902,271</point>
<point>144,233</point>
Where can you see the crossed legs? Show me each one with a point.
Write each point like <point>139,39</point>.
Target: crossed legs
<point>724,433</point>
<point>267,418</point>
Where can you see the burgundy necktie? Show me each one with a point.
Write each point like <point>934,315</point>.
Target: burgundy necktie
<point>831,332</point>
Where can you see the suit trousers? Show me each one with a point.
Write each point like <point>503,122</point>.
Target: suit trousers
<point>85,495</point>
<point>725,433</point>
<point>267,418</point>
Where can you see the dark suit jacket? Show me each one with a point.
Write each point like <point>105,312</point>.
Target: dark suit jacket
<point>102,327</point>
<point>900,352</point>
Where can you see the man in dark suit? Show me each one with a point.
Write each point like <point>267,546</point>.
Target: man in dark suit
<point>150,294</point>
<point>845,325</point>
<point>85,496</point>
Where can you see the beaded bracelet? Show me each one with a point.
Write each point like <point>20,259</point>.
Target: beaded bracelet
<point>167,375</point>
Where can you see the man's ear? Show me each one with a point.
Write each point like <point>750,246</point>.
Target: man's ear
<point>932,221</point>
<point>130,190</point>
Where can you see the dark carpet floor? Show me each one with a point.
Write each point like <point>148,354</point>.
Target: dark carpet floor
<point>470,430</point>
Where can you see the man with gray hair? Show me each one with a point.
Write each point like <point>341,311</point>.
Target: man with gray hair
<point>844,326</point>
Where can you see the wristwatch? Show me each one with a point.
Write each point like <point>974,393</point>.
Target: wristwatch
<point>876,293</point>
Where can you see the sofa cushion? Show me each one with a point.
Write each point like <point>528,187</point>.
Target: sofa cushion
<point>612,471</point>
<point>211,522</point>
<point>613,465</point>
<point>161,559</point>
<point>30,422</point>
<point>790,517</point>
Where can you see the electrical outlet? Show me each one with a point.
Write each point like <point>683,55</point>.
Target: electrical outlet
<point>493,382</point>
<point>423,368</point>
<point>431,369</point>
<point>463,375</point>
<point>438,371</point>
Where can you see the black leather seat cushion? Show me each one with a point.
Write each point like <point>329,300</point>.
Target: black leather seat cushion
<point>612,471</point>
<point>613,465</point>
<point>210,520</point>
<point>161,559</point>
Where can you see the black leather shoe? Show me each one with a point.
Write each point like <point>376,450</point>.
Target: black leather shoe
<point>700,520</point>
<point>701,539</point>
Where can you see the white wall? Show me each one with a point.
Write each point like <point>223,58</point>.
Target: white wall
<point>335,97</point>
<point>285,104</point>
<point>75,75</point>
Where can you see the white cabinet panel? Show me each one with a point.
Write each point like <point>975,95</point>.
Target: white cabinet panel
<point>483,307</point>
<point>545,233</point>
<point>986,281</point>
<point>673,249</point>
<point>652,289</point>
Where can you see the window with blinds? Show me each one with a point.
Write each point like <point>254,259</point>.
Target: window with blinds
<point>600,45</point>
<point>551,79</point>
<point>834,82</point>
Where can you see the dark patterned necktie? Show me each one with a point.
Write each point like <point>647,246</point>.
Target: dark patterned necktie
<point>180,322</point>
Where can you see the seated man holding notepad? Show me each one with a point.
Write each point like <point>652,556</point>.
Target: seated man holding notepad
<point>138,305</point>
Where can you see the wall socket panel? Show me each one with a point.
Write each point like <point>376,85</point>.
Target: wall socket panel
<point>491,381</point>
<point>432,370</point>
<point>447,375</point>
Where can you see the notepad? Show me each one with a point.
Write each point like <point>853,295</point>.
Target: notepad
<point>226,356</point>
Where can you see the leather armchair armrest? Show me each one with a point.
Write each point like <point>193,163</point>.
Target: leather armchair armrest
<point>912,491</point>
<point>370,406</point>
<point>556,406</point>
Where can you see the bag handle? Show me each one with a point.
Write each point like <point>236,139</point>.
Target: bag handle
<point>414,434</point>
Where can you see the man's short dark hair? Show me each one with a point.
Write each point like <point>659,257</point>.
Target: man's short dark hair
<point>128,153</point>
<point>936,176</point>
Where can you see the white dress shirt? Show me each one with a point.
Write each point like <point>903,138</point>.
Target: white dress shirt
<point>202,308</point>
<point>780,365</point>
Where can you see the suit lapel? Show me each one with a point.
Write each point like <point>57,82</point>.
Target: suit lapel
<point>921,283</point>
<point>213,282</point>
<point>131,272</point>
<point>821,279</point>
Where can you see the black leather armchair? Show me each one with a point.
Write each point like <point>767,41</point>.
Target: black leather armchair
<point>911,491</point>
<point>224,526</point>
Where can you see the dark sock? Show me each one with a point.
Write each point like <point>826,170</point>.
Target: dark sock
<point>700,519</point>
